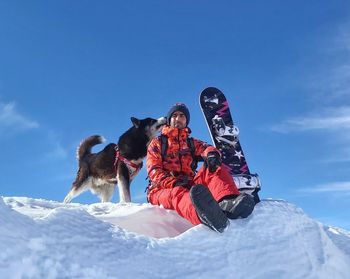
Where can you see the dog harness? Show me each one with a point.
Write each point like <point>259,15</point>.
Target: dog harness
<point>132,167</point>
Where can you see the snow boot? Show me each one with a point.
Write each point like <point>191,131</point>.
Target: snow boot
<point>238,206</point>
<point>207,208</point>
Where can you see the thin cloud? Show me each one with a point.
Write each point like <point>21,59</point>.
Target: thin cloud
<point>329,93</point>
<point>334,82</point>
<point>12,121</point>
<point>333,187</point>
<point>341,155</point>
<point>339,82</point>
<point>330,85</point>
<point>57,150</point>
<point>329,120</point>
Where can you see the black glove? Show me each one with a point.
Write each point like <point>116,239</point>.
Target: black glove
<point>213,161</point>
<point>182,181</point>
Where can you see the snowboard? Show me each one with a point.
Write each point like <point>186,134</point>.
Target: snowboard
<point>225,136</point>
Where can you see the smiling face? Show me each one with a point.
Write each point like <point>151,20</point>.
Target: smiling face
<point>178,120</point>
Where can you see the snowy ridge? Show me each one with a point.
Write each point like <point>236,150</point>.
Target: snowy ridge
<point>47,239</point>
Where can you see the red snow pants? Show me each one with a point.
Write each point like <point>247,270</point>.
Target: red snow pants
<point>220,184</point>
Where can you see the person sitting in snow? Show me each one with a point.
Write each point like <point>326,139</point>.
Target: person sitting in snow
<point>208,196</point>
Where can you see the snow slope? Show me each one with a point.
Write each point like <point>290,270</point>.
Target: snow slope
<point>46,239</point>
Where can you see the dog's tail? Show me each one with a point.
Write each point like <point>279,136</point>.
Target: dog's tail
<point>86,145</point>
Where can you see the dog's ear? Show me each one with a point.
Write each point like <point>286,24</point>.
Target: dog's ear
<point>135,121</point>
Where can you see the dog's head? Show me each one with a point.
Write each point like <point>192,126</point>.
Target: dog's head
<point>149,125</point>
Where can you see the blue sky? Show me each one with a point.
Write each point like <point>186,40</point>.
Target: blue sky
<point>70,69</point>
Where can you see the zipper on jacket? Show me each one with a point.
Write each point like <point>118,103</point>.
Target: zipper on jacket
<point>178,139</point>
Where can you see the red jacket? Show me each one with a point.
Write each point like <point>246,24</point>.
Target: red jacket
<point>178,157</point>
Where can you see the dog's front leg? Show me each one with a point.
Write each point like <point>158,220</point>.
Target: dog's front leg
<point>124,190</point>
<point>123,179</point>
<point>107,192</point>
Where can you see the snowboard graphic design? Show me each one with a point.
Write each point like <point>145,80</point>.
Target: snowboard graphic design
<point>225,136</point>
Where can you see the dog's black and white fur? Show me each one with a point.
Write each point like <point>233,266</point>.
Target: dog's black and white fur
<point>99,173</point>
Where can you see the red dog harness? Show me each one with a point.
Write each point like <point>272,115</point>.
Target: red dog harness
<point>132,167</point>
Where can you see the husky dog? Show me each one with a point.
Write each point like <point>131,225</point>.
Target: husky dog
<point>116,163</point>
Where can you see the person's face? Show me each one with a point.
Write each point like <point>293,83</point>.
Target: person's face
<point>178,120</point>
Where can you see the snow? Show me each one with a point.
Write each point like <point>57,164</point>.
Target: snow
<point>48,239</point>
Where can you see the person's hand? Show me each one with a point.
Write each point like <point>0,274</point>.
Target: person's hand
<point>182,181</point>
<point>213,161</point>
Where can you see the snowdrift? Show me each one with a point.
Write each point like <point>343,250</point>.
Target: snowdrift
<point>46,239</point>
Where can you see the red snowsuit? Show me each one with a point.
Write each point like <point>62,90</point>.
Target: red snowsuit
<point>165,174</point>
